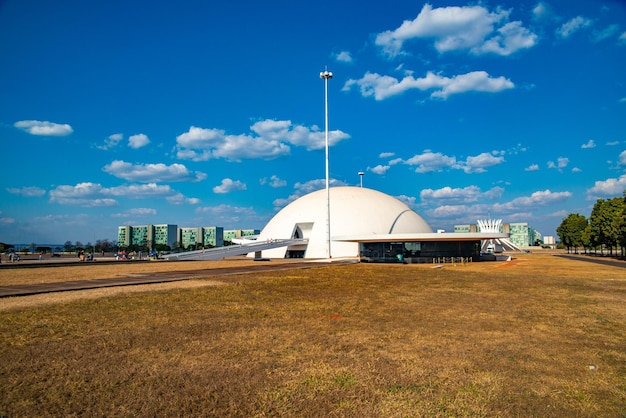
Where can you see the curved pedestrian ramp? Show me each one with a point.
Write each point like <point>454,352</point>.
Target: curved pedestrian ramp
<point>233,250</point>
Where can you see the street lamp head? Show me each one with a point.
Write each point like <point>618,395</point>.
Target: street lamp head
<point>326,75</point>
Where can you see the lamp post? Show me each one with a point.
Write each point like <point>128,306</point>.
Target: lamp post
<point>327,75</point>
<point>361,174</point>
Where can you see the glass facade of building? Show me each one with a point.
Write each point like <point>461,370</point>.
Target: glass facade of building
<point>123,235</point>
<point>190,237</point>
<point>139,235</point>
<point>521,234</point>
<point>524,235</point>
<point>418,252</point>
<point>231,234</point>
<point>213,236</point>
<point>164,234</point>
<point>146,235</point>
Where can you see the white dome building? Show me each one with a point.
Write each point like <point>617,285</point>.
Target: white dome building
<point>354,211</point>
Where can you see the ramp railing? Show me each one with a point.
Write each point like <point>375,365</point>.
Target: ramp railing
<point>233,250</point>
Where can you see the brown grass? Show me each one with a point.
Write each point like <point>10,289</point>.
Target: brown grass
<point>540,336</point>
<point>95,270</point>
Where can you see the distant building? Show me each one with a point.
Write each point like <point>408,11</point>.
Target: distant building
<point>208,236</point>
<point>170,235</point>
<point>524,235</point>
<point>213,235</point>
<point>520,234</point>
<point>189,237</point>
<point>123,235</point>
<point>549,240</point>
<point>163,234</point>
<point>147,235</point>
<point>231,234</point>
<point>465,228</point>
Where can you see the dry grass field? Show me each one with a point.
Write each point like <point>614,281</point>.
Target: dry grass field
<point>540,336</point>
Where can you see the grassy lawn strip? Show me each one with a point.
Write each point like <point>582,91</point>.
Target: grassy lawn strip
<point>542,336</point>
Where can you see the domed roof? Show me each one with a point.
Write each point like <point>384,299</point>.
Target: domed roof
<point>353,211</point>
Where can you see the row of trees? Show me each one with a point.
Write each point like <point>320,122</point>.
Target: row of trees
<point>177,247</point>
<point>99,246</point>
<point>605,229</point>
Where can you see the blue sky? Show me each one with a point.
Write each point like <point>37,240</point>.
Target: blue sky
<point>204,113</point>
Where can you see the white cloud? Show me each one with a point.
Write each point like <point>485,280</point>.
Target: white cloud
<point>478,163</point>
<point>44,128</point>
<point>302,189</point>
<point>229,185</point>
<point>7,221</point>
<point>572,26</point>
<point>270,140</point>
<point>135,212</point>
<point>27,191</point>
<point>472,28</point>
<point>149,173</point>
<point>111,141</point>
<point>83,194</point>
<point>94,195</point>
<point>138,141</point>
<point>622,159</point>
<point>542,11</point>
<point>532,167</point>
<point>590,144</point>
<point>386,154</point>
<point>509,39</point>
<point>200,138</point>
<point>344,56</point>
<point>283,130</point>
<point>560,164</point>
<point>539,198</point>
<point>225,210</point>
<point>608,32</point>
<point>274,181</point>
<point>142,211</point>
<point>382,86</point>
<point>379,169</point>
<point>456,211</point>
<point>460,195</point>
<point>181,199</point>
<point>576,170</point>
<point>229,216</point>
<point>622,38</point>
<point>140,191</point>
<point>408,200</point>
<point>607,188</point>
<point>430,161</point>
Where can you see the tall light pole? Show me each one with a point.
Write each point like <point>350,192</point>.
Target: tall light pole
<point>327,75</point>
<point>361,174</point>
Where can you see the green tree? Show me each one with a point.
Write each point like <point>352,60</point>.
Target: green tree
<point>162,247</point>
<point>587,239</point>
<point>103,245</point>
<point>622,236</point>
<point>606,221</point>
<point>570,231</point>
